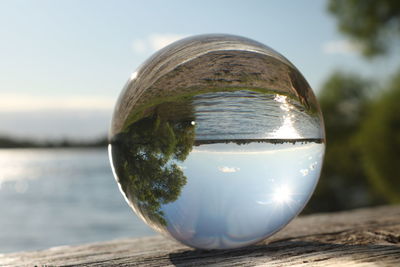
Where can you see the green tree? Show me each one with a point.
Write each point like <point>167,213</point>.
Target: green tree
<point>144,160</point>
<point>375,25</point>
<point>343,184</point>
<point>379,142</point>
<point>371,23</point>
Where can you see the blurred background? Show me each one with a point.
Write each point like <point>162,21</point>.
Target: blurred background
<point>63,64</point>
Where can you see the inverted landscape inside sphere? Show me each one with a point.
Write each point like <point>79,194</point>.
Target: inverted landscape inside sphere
<point>217,141</point>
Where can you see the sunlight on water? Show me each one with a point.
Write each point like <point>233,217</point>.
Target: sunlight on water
<point>54,197</point>
<point>287,129</point>
<point>20,166</point>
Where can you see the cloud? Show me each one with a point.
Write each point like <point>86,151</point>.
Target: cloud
<point>140,46</point>
<point>340,47</point>
<point>27,102</point>
<point>154,42</point>
<point>228,169</point>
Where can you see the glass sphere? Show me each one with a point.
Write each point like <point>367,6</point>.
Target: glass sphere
<point>217,141</point>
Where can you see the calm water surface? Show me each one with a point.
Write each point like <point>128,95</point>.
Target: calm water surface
<point>59,197</point>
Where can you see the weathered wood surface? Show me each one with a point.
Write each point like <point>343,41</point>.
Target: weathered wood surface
<point>364,237</point>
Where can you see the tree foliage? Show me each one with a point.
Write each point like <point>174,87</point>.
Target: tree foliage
<point>379,141</point>
<point>343,183</point>
<point>362,164</point>
<point>145,157</point>
<point>362,160</point>
<point>371,23</point>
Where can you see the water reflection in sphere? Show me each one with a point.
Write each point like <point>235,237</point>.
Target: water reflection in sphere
<point>217,141</point>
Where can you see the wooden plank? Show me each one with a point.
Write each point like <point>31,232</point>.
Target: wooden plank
<point>364,237</point>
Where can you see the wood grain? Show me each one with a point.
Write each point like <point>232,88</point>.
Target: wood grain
<point>364,237</point>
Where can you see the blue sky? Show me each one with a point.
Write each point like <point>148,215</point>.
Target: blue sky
<point>63,63</point>
<point>235,195</point>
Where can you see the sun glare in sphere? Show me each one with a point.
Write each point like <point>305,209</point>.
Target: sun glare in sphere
<point>282,195</point>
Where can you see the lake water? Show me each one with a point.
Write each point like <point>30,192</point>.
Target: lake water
<point>54,197</point>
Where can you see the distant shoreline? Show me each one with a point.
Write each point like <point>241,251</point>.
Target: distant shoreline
<point>7,142</point>
<point>267,140</point>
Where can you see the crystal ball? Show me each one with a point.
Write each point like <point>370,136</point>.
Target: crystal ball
<point>217,141</point>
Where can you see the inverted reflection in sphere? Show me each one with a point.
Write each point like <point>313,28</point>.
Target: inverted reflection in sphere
<point>217,141</point>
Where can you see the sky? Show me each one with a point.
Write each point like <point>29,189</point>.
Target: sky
<point>217,208</point>
<point>63,63</point>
